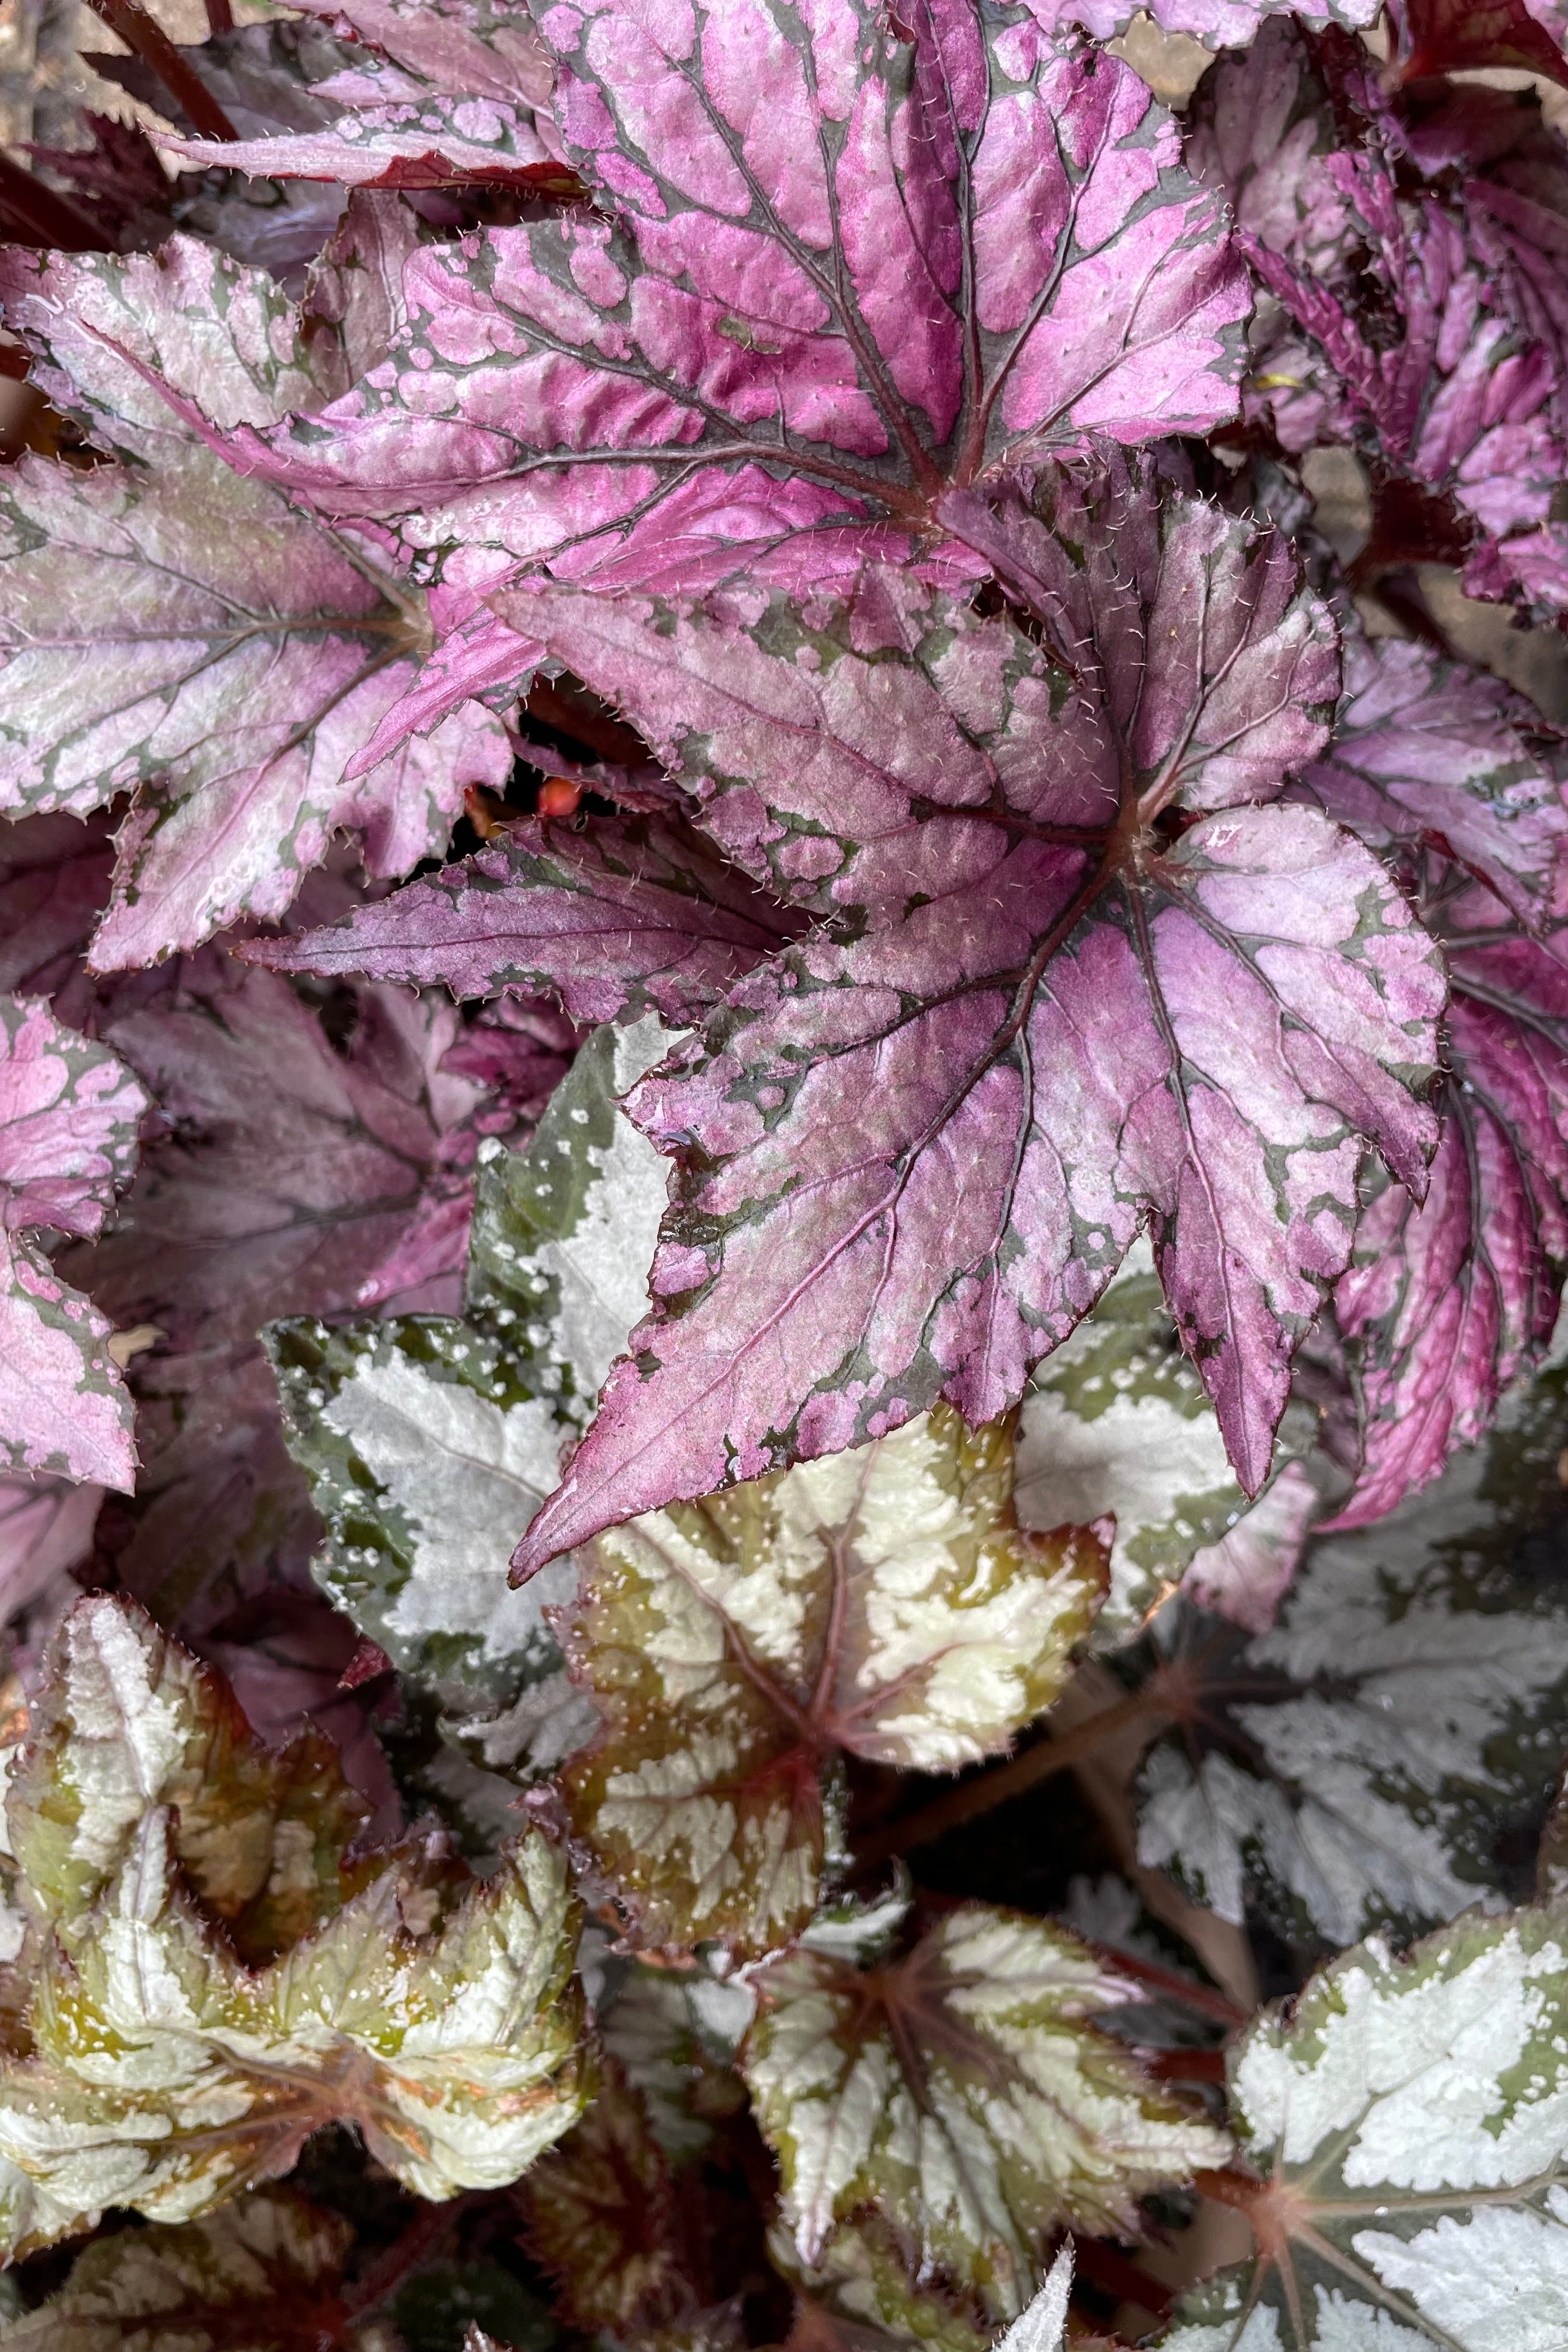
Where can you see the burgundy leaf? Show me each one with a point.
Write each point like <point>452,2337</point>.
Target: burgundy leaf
<point>625,915</point>
<point>1443,37</point>
<point>896,261</point>
<point>54,880</point>
<point>68,1117</point>
<point>915,1155</point>
<point>45,1528</point>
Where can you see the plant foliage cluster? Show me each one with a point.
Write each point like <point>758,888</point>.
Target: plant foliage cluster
<point>783,1150</point>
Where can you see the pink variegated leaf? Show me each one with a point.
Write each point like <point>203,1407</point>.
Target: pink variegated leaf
<point>185,634</point>
<point>69,1112</point>
<point>1246,1574</point>
<point>1431,750</point>
<point>1219,24</point>
<point>913,1153</point>
<point>634,914</point>
<point>1448,1299</point>
<point>428,143</point>
<point>399,137</point>
<point>787,276</point>
<point>483,48</point>
<point>1460,396</point>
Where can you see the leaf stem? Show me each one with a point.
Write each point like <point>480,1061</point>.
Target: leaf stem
<point>146,38</point>
<point>1004,1782</point>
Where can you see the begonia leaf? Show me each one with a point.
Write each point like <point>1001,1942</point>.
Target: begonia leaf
<point>780,186</point>
<point>258,2275</point>
<point>129,1721</point>
<point>456,104</point>
<point>428,1446</point>
<point>186,634</point>
<point>294,1176</point>
<point>1219,24</point>
<point>600,2217</point>
<point>563,1233</point>
<point>1408,2129</point>
<point>1377,1757</point>
<point>1244,1573</point>
<point>882,1603</point>
<point>965,2096</point>
<point>45,1528</point>
<point>425,142</point>
<point>429,1443</point>
<point>1447,1301</point>
<point>1461,399</point>
<point>1443,37</point>
<point>167,2073</point>
<point>914,1156</point>
<point>628,915</point>
<point>488,47</point>
<point>69,1112</point>
<point>1116,1421</point>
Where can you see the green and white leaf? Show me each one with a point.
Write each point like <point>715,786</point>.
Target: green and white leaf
<point>428,1449</point>
<point>434,2012</point>
<point>882,1602</point>
<point>126,1722</point>
<point>1409,2129</point>
<point>252,2277</point>
<point>965,2097</point>
<point>563,1233</point>
<point>430,1442</point>
<point>675,2037</point>
<point>1117,1421</point>
<point>1385,1755</point>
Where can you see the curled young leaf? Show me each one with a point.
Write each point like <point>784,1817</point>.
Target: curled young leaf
<point>883,1604</point>
<point>1408,2131</point>
<point>69,1112</point>
<point>1382,1755</point>
<point>965,2096</point>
